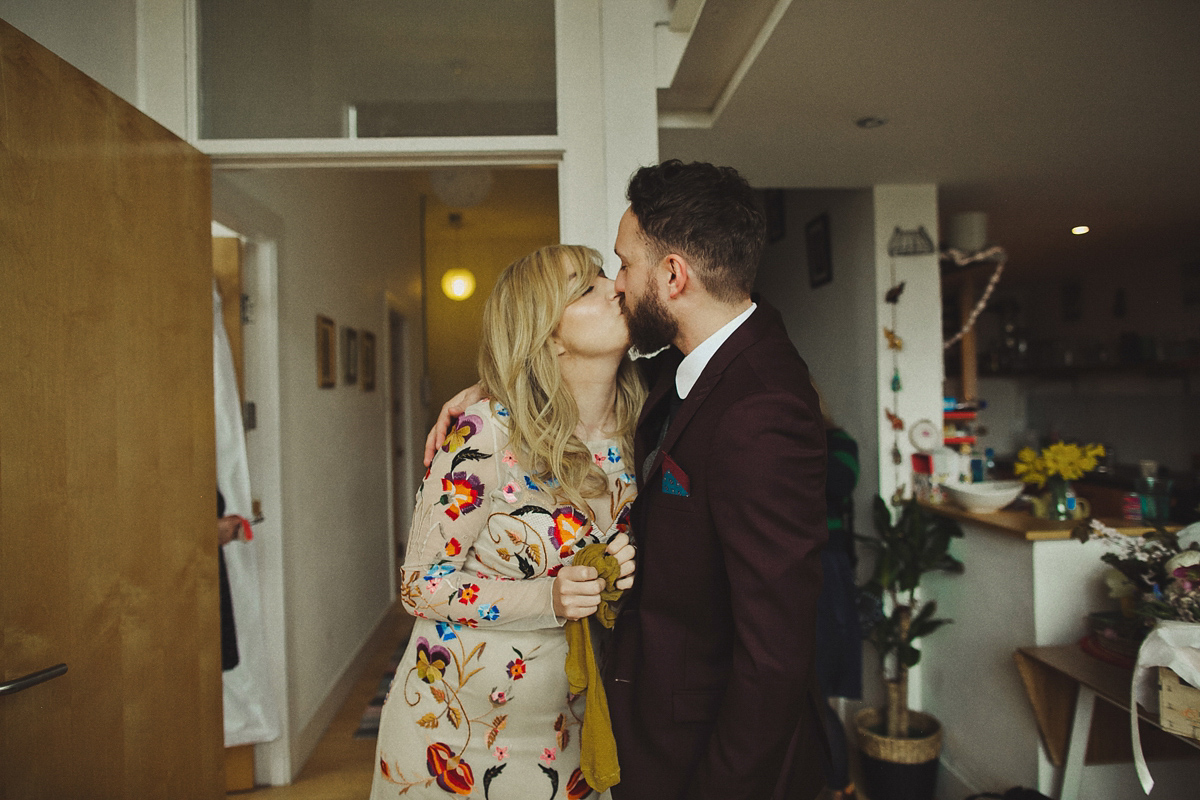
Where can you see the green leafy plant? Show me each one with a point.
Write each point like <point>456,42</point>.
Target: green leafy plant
<point>916,543</point>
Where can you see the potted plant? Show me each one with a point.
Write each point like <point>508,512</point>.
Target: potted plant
<point>900,747</point>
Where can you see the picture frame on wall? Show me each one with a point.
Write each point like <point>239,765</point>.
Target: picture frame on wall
<point>326,352</point>
<point>368,361</point>
<point>819,249</point>
<point>350,356</point>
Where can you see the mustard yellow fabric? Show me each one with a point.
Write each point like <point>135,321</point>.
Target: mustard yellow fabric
<point>598,748</point>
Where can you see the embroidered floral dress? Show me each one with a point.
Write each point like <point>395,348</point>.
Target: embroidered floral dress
<point>479,706</point>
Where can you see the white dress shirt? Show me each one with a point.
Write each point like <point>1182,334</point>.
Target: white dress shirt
<point>694,362</point>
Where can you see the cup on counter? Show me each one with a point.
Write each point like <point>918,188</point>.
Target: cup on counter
<point>1155,496</point>
<point>1131,507</point>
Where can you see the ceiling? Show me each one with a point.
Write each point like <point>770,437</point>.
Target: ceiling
<point>1045,114</point>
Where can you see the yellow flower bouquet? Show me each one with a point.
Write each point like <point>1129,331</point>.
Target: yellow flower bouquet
<point>1067,462</point>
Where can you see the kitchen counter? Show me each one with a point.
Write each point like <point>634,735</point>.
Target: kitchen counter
<point>1023,525</point>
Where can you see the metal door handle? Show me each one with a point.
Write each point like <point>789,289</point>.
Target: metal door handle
<point>32,679</point>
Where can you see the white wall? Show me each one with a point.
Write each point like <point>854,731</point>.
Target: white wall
<point>347,239</point>
<point>99,37</point>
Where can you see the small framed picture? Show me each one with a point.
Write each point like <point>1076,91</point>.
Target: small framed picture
<point>326,352</point>
<point>820,257</point>
<point>350,356</point>
<point>368,361</point>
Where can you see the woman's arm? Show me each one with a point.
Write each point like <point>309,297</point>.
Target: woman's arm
<point>451,515</point>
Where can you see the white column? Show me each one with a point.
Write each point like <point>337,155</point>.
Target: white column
<point>607,112</point>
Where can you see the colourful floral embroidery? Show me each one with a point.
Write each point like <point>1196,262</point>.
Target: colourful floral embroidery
<point>577,786</point>
<point>438,571</point>
<point>447,630</point>
<point>452,773</point>
<point>432,661</point>
<point>468,425</point>
<point>462,494</point>
<point>622,520</point>
<point>564,529</point>
<point>470,710</point>
<point>501,411</point>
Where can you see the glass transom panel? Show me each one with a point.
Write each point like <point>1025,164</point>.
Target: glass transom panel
<point>284,69</point>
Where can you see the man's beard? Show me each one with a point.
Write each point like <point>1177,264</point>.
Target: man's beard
<point>651,326</point>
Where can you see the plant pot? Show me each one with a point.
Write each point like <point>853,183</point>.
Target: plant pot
<point>898,768</point>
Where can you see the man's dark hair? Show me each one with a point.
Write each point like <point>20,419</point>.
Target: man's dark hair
<point>706,213</point>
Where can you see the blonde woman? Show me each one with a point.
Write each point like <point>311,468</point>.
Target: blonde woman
<point>479,705</point>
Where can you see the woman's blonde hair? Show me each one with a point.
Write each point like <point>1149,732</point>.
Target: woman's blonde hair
<point>518,368</point>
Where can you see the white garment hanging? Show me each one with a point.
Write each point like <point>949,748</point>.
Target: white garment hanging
<point>251,715</point>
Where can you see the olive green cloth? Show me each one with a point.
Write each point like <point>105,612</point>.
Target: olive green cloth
<point>597,747</point>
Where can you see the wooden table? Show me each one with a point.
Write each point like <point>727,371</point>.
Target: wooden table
<point>1063,683</point>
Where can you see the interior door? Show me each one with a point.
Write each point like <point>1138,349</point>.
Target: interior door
<point>108,548</point>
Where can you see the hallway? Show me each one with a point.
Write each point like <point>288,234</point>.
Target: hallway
<point>340,766</point>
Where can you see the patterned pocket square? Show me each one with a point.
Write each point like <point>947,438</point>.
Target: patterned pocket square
<point>675,480</point>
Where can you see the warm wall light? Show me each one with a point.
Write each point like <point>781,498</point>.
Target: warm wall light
<point>1079,230</point>
<point>458,284</point>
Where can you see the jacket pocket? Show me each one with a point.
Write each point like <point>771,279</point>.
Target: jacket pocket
<point>696,705</point>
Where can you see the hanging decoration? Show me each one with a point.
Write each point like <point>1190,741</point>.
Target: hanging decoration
<point>910,243</point>
<point>964,259</point>
<point>902,243</point>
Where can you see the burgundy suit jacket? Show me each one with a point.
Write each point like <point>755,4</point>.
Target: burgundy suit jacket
<point>710,676</point>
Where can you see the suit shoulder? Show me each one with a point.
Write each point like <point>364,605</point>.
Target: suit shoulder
<point>774,363</point>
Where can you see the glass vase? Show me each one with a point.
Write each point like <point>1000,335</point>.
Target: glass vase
<point>1059,505</point>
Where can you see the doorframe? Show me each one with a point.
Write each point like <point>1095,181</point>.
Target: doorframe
<point>262,231</point>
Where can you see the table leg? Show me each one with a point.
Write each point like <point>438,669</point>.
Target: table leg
<point>1085,702</point>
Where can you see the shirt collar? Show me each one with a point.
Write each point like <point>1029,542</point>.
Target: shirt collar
<point>694,362</point>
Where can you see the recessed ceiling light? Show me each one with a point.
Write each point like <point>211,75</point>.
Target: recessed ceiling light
<point>870,122</point>
<point>1079,230</point>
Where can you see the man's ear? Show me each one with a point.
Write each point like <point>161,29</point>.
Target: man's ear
<point>679,274</point>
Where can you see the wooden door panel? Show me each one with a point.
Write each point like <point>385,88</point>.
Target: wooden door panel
<point>107,469</point>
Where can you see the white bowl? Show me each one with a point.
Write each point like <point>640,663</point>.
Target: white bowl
<point>985,497</point>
